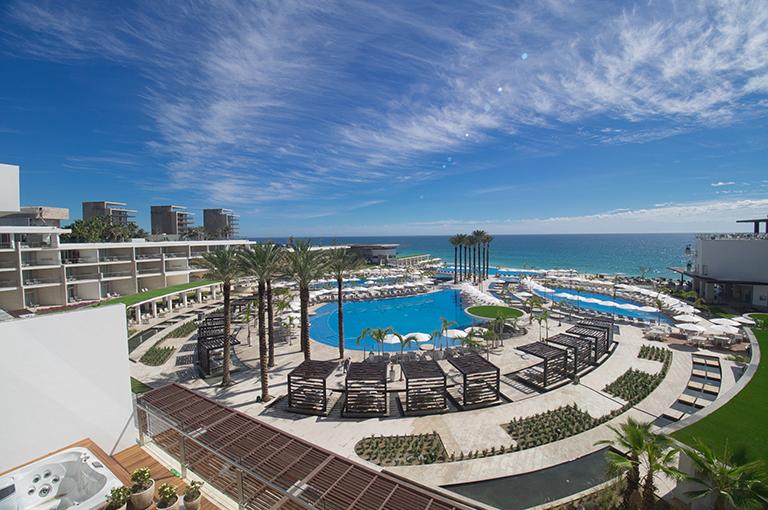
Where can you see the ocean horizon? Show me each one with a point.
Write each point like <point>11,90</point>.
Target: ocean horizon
<point>588,253</point>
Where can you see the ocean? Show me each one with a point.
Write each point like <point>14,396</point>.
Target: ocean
<point>589,253</point>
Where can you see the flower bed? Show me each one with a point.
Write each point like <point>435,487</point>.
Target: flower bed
<point>550,426</point>
<point>634,385</point>
<point>185,329</point>
<point>654,353</point>
<point>157,355</point>
<point>402,450</point>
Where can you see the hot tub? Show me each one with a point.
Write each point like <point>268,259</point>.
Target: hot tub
<point>72,477</point>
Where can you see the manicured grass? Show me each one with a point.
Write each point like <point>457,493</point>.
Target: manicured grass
<point>741,422</point>
<point>139,387</point>
<point>494,312</point>
<point>143,296</point>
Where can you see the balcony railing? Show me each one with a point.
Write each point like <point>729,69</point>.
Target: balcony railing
<point>740,236</point>
<point>40,281</point>
<point>6,245</point>
<point>79,260</point>
<point>8,284</point>
<point>148,256</point>
<point>81,277</point>
<point>115,258</point>
<point>116,274</point>
<point>175,255</point>
<point>38,263</point>
<point>150,271</point>
<point>36,245</point>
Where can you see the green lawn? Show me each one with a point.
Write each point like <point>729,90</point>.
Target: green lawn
<point>493,312</point>
<point>741,422</point>
<point>143,296</point>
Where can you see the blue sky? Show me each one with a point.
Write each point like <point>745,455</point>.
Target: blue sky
<point>326,118</point>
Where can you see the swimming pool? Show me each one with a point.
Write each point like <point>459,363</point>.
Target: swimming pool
<point>601,307</point>
<point>408,314</point>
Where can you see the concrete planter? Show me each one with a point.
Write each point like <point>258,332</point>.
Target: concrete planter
<point>193,504</point>
<point>172,506</point>
<point>142,500</point>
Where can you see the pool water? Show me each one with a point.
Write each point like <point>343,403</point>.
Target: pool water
<point>638,314</point>
<point>408,314</point>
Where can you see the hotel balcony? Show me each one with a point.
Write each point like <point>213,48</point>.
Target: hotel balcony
<point>71,261</point>
<point>42,281</point>
<point>116,275</point>
<point>115,258</point>
<point>72,278</point>
<point>145,257</point>
<point>155,271</point>
<point>8,285</point>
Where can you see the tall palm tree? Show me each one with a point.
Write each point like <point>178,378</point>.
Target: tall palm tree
<point>462,245</point>
<point>480,236</point>
<point>488,241</point>
<point>660,457</point>
<point>632,437</point>
<point>477,239</point>
<point>223,265</point>
<point>445,325</point>
<point>262,261</point>
<point>732,484</point>
<point>375,334</point>
<point>467,243</point>
<point>341,261</point>
<point>404,342</point>
<point>455,241</point>
<point>305,264</point>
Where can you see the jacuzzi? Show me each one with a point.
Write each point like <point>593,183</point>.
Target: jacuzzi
<point>71,478</point>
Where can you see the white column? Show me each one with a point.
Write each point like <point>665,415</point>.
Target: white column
<point>154,309</point>
<point>199,296</point>
<point>184,299</point>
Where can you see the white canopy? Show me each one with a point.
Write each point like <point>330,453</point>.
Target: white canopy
<point>725,322</point>
<point>692,327</point>
<point>745,320</point>
<point>688,318</point>
<point>475,330</point>
<point>391,339</point>
<point>455,333</point>
<point>727,330</point>
<point>419,337</point>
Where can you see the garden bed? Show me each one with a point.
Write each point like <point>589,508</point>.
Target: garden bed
<point>157,355</point>
<point>654,353</point>
<point>402,450</point>
<point>634,385</point>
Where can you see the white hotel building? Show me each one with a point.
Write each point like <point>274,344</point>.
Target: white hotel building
<point>37,270</point>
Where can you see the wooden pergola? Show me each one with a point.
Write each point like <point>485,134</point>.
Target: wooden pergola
<point>308,388</point>
<point>366,389</point>
<point>580,353</point>
<point>480,381</point>
<point>552,369</point>
<point>425,387</point>
<point>597,335</point>
<point>262,467</point>
<point>207,347</point>
<point>606,326</point>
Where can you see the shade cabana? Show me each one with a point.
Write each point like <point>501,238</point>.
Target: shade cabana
<point>207,353</point>
<point>425,387</point>
<point>552,369</point>
<point>597,335</point>
<point>607,326</point>
<point>480,381</point>
<point>366,389</point>
<point>308,388</point>
<point>580,352</point>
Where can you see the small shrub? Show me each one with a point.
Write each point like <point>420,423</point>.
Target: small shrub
<point>142,480</point>
<point>118,497</point>
<point>167,495</point>
<point>157,355</point>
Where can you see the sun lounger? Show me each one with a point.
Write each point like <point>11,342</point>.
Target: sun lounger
<point>687,399</point>
<point>711,389</point>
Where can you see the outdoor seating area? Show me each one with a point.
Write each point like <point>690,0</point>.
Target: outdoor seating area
<point>580,351</point>
<point>425,387</point>
<point>308,391</point>
<point>362,292</point>
<point>366,390</point>
<point>552,369</point>
<point>480,382</point>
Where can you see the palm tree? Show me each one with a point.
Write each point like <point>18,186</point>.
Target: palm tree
<point>455,241</point>
<point>730,483</point>
<point>631,437</point>
<point>467,242</point>
<point>247,316</point>
<point>445,325</point>
<point>579,290</point>
<point>660,457</point>
<point>340,262</point>
<point>488,241</point>
<point>304,265</point>
<point>404,342</point>
<point>375,334</point>
<point>223,265</point>
<point>262,260</point>
<point>479,236</point>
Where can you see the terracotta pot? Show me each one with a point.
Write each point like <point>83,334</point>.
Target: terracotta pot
<point>142,500</point>
<point>174,506</point>
<point>193,504</point>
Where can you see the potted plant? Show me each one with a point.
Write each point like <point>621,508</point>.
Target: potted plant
<point>167,497</point>
<point>192,495</point>
<point>118,498</point>
<point>143,489</point>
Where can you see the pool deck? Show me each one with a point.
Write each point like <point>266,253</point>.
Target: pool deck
<point>460,431</point>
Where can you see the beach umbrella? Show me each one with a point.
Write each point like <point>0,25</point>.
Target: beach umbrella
<point>455,333</point>
<point>419,337</point>
<point>475,330</point>
<point>687,318</point>
<point>745,320</point>
<point>649,309</point>
<point>694,328</point>
<point>523,294</point>
<point>725,322</point>
<point>727,330</point>
<point>391,339</point>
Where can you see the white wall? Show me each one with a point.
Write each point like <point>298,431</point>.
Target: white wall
<point>733,259</point>
<point>65,377</point>
<point>9,187</point>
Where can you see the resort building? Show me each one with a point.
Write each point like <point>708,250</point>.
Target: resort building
<point>413,260</point>
<point>731,268</point>
<point>375,253</point>
<point>221,223</point>
<point>171,219</point>
<point>115,211</point>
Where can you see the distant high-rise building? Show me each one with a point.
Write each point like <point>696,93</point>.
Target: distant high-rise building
<point>221,223</point>
<point>171,219</point>
<point>115,211</point>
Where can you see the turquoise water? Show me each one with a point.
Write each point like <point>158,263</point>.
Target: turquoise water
<point>590,253</point>
<point>408,314</point>
<point>638,314</point>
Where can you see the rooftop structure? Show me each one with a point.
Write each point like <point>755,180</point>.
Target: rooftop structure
<point>221,223</point>
<point>115,211</point>
<point>375,253</point>
<point>171,219</point>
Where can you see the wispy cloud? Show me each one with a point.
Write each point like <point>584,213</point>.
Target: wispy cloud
<point>289,100</point>
<point>719,184</point>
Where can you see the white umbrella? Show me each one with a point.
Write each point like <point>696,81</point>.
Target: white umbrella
<point>728,330</point>
<point>725,322</point>
<point>455,333</point>
<point>475,330</point>
<point>648,309</point>
<point>745,320</point>
<point>523,294</point>
<point>391,339</point>
<point>419,337</point>
<point>695,328</point>
<point>687,318</point>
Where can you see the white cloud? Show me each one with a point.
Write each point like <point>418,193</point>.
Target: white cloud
<point>722,183</point>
